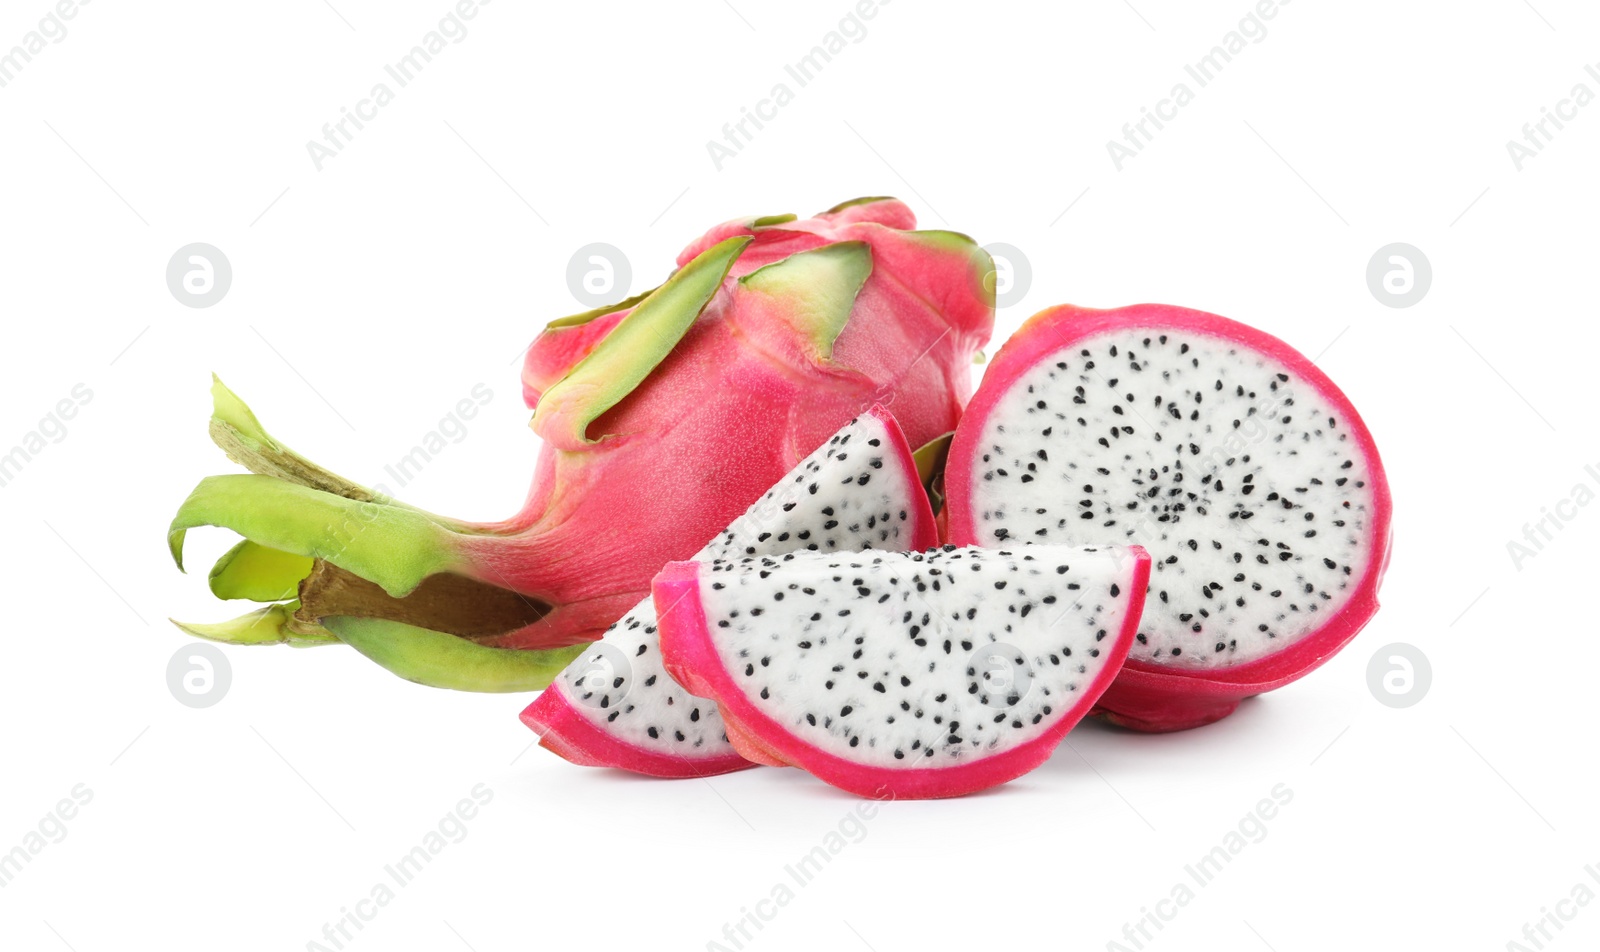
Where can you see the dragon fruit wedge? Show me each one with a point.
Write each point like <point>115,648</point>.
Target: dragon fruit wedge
<point>903,675</point>
<point>1246,473</point>
<point>615,706</point>
<point>662,418</point>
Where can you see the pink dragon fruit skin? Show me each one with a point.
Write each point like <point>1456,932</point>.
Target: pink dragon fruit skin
<point>661,418</point>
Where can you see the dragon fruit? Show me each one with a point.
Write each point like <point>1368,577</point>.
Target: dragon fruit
<point>1247,474</point>
<point>903,675</point>
<point>662,418</point>
<point>616,706</point>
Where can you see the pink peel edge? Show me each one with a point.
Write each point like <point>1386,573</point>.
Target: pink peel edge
<point>925,533</point>
<point>566,732</point>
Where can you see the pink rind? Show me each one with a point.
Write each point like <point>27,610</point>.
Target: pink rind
<point>925,530</point>
<point>570,734</point>
<point>748,745</point>
<point>1192,697</point>
<point>690,657</point>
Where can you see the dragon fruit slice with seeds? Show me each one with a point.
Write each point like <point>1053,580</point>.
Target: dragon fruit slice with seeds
<point>662,417</point>
<point>903,675</point>
<point>615,706</point>
<point>1248,475</point>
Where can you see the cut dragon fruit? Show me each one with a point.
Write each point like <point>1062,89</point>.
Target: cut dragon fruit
<point>615,706</point>
<point>662,418</point>
<point>903,675</point>
<point>1239,465</point>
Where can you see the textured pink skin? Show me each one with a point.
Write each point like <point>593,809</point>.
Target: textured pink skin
<point>719,421</point>
<point>1146,696</point>
<point>691,658</point>
<point>565,730</point>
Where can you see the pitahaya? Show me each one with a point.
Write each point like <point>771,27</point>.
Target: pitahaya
<point>616,706</point>
<point>1241,467</point>
<point>903,675</point>
<point>662,419</point>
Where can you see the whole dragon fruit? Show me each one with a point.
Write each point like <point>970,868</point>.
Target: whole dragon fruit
<point>663,417</point>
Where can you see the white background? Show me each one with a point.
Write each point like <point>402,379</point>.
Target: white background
<point>372,295</point>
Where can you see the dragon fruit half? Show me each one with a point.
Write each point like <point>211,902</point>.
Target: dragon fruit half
<point>1245,472</point>
<point>663,417</point>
